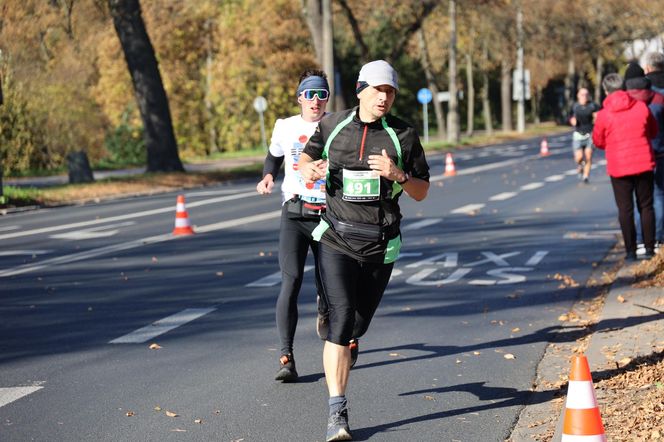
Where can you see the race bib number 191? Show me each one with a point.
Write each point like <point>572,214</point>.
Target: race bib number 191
<point>361,185</point>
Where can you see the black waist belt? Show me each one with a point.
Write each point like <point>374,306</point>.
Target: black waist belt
<point>304,209</point>
<point>361,231</point>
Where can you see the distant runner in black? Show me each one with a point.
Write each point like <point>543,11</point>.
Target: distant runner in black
<point>369,159</point>
<point>582,118</point>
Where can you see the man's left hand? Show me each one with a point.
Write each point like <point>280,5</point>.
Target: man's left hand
<point>385,167</point>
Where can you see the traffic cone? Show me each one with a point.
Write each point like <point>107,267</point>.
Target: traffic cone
<point>182,224</point>
<point>544,148</point>
<point>582,420</point>
<point>450,170</point>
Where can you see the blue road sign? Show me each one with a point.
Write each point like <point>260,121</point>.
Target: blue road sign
<point>424,96</point>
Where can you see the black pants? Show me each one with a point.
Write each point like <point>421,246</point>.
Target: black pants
<point>294,243</point>
<point>624,189</point>
<point>353,290</point>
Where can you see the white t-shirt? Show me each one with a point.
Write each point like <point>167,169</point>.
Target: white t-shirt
<point>289,137</point>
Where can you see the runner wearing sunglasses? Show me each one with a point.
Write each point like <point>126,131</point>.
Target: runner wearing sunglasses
<point>368,158</point>
<point>302,206</point>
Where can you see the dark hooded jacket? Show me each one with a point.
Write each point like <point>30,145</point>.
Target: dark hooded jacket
<point>639,89</point>
<point>657,80</point>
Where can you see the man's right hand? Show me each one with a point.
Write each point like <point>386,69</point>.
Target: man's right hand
<point>265,185</point>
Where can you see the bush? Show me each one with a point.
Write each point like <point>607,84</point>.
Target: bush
<point>125,143</point>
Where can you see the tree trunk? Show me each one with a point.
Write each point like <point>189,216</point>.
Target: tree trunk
<point>569,85</point>
<point>505,94</point>
<point>470,124</point>
<point>535,104</point>
<point>431,83</point>
<point>209,108</point>
<point>486,103</point>
<point>162,150</point>
<point>328,51</point>
<point>599,67</point>
<point>453,131</point>
<point>313,15</point>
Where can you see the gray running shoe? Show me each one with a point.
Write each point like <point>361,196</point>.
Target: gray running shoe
<point>287,371</point>
<point>337,426</point>
<point>322,321</point>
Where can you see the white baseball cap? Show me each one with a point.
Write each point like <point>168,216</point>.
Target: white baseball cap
<point>378,73</point>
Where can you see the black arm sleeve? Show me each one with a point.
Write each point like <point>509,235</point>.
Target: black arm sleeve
<point>272,165</point>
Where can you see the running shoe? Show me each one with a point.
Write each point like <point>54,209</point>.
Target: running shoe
<point>640,249</point>
<point>287,371</point>
<point>630,257</point>
<point>337,426</point>
<point>354,351</point>
<point>649,254</point>
<point>585,180</point>
<point>322,321</point>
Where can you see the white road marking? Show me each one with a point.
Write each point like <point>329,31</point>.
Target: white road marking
<point>409,255</point>
<point>470,208</point>
<point>598,234</point>
<point>422,224</point>
<point>272,280</point>
<point>532,186</point>
<point>126,216</point>
<point>536,258</point>
<point>8,228</point>
<point>451,259</point>
<point>66,259</point>
<point>554,178</point>
<point>498,260</point>
<point>484,167</point>
<point>503,196</point>
<point>162,326</point>
<point>23,252</point>
<point>11,394</point>
<point>418,278</point>
<point>572,172</point>
<point>95,232</point>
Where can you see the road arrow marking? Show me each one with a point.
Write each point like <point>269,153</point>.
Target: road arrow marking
<point>95,232</point>
<point>162,326</point>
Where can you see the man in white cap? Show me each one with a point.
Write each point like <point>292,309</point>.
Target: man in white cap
<point>369,158</point>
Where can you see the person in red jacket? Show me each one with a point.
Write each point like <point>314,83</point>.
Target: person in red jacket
<point>623,129</point>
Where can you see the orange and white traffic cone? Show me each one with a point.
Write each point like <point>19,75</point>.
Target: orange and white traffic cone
<point>450,170</point>
<point>582,421</point>
<point>182,224</point>
<point>544,148</point>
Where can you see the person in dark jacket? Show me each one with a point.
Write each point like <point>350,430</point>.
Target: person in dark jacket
<point>654,68</point>
<point>369,158</point>
<point>624,128</point>
<point>639,88</point>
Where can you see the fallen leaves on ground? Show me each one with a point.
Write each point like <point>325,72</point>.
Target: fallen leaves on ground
<point>509,356</point>
<point>154,346</point>
<point>171,414</point>
<point>129,413</point>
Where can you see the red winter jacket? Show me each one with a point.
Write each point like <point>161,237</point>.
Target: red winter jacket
<point>624,128</point>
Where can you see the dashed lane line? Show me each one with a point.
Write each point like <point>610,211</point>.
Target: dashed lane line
<point>532,186</point>
<point>162,326</point>
<point>422,224</point>
<point>125,217</point>
<point>93,253</point>
<point>469,208</point>
<point>554,178</point>
<point>11,394</point>
<point>8,228</point>
<point>503,196</point>
<point>272,280</point>
<point>23,252</point>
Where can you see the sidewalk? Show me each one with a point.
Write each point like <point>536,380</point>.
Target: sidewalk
<point>628,328</point>
<point>56,180</point>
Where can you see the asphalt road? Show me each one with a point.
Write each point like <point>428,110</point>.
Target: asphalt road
<point>451,354</point>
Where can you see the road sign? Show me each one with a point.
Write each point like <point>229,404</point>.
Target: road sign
<point>520,83</point>
<point>260,104</point>
<point>424,96</point>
